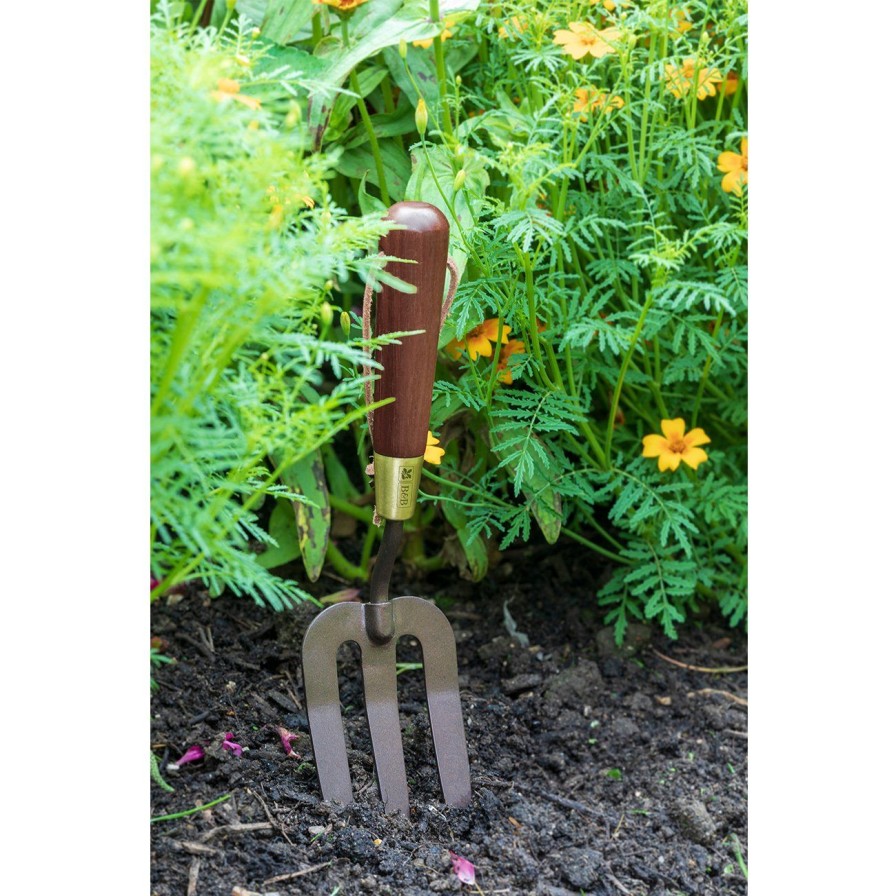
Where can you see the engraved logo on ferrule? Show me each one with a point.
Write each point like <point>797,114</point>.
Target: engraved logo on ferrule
<point>404,487</point>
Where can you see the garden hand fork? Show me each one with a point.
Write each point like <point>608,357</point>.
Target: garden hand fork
<point>399,432</point>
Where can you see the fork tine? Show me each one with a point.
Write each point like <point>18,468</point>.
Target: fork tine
<point>381,700</point>
<point>426,622</point>
<point>327,632</point>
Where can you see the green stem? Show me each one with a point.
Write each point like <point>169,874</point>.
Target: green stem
<point>367,548</point>
<point>611,422</point>
<point>187,812</point>
<point>368,126</point>
<point>611,555</point>
<point>343,566</point>
<point>362,514</point>
<point>440,70</point>
<point>705,376</point>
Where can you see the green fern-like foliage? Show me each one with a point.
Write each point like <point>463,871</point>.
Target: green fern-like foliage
<point>244,240</point>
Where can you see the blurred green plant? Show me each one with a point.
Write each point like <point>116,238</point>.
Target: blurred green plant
<point>246,245</point>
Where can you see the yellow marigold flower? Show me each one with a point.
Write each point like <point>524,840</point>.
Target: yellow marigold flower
<point>680,21</point>
<point>590,98</point>
<point>517,28</point>
<point>680,81</point>
<point>228,89</point>
<point>513,347</point>
<point>426,44</point>
<point>583,38</point>
<point>734,167</point>
<point>432,454</point>
<point>478,341</point>
<point>343,5</point>
<point>674,446</point>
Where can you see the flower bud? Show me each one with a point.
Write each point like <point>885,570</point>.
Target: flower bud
<point>292,115</point>
<point>403,48</point>
<point>231,5</point>
<point>345,322</point>
<point>326,315</point>
<point>421,116</point>
<point>459,179</point>
<point>186,166</point>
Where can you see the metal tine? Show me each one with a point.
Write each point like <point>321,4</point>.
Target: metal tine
<point>327,632</point>
<point>381,700</point>
<point>429,625</point>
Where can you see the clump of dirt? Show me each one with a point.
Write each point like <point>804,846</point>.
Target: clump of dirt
<point>595,770</point>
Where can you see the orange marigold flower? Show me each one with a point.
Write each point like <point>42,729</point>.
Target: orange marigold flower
<point>680,81</point>
<point>681,24</point>
<point>583,38</point>
<point>590,98</point>
<point>731,81</point>
<point>674,446</point>
<point>517,28</point>
<point>478,341</point>
<point>734,167</point>
<point>343,5</point>
<point>513,347</point>
<point>228,89</point>
<point>432,454</point>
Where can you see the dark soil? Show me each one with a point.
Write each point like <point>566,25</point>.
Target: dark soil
<point>595,770</point>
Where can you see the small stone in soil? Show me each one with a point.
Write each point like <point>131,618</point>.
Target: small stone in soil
<point>581,866</point>
<point>694,821</point>
<point>527,681</point>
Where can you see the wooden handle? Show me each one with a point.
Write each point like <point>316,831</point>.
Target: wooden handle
<point>399,428</point>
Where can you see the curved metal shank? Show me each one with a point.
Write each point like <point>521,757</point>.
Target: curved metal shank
<point>346,622</point>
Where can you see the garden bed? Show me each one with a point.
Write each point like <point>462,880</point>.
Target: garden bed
<point>595,770</point>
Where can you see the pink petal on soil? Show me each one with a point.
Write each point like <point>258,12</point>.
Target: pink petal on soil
<point>193,753</point>
<point>286,738</point>
<point>230,744</point>
<point>463,868</point>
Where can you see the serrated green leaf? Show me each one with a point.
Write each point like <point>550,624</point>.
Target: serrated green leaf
<point>530,467</point>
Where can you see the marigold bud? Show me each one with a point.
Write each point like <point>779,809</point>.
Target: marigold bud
<point>292,115</point>
<point>345,322</point>
<point>326,314</point>
<point>459,179</point>
<point>403,48</point>
<point>421,116</point>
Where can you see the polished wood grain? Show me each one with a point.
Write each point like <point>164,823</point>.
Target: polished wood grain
<point>399,429</point>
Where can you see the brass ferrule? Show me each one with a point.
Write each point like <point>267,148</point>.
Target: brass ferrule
<point>396,481</point>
